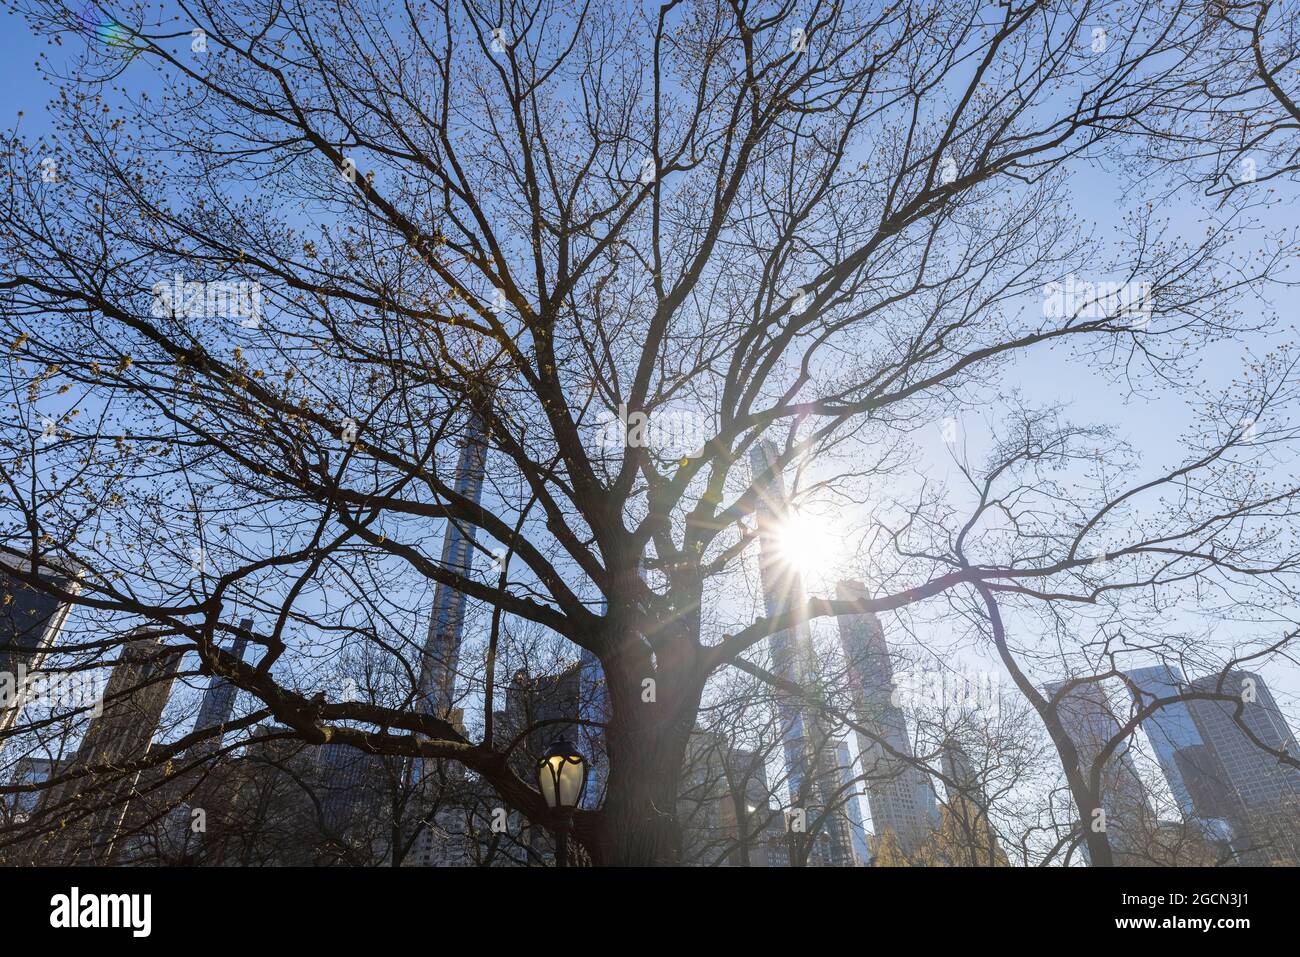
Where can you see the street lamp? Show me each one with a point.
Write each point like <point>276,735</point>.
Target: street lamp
<point>562,777</point>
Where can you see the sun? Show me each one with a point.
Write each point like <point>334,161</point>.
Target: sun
<point>811,545</point>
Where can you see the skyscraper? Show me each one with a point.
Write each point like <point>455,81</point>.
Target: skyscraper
<point>593,706</point>
<point>445,839</point>
<point>218,702</point>
<point>1091,725</point>
<point>351,785</point>
<point>1221,779</point>
<point>30,620</point>
<point>970,839</point>
<point>1171,729</point>
<point>1196,776</point>
<point>96,800</point>
<point>31,771</point>
<point>852,788</point>
<point>441,656</point>
<point>447,621</point>
<point>541,708</point>
<point>957,768</point>
<point>724,790</point>
<point>898,792</point>
<point>810,758</point>
<point>176,836</point>
<point>1258,778</point>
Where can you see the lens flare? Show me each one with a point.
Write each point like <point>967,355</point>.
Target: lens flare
<point>106,31</point>
<point>811,546</point>
<point>113,34</point>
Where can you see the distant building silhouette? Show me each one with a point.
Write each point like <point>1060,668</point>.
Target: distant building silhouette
<point>1091,724</point>
<point>967,809</point>
<point>92,805</point>
<point>30,620</point>
<point>351,786</point>
<point>441,657</point>
<point>551,701</point>
<point>898,792</point>
<point>218,704</point>
<point>728,815</point>
<point>194,785</point>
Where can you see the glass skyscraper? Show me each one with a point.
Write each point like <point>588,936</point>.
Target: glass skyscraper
<point>898,792</point>
<point>1257,777</point>
<point>1171,730</point>
<point>447,621</point>
<point>1216,772</point>
<point>852,789</point>
<point>218,702</point>
<point>441,656</point>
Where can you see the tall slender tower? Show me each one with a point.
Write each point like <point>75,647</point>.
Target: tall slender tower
<point>852,789</point>
<point>447,623</point>
<point>177,837</point>
<point>898,792</point>
<point>810,751</point>
<point>444,842</point>
<point>218,703</point>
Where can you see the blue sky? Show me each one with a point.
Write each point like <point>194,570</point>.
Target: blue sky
<point>1151,424</point>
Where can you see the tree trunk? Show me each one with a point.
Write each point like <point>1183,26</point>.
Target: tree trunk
<point>646,738</point>
<point>1099,853</point>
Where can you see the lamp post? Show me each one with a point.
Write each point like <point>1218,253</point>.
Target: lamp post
<point>562,777</point>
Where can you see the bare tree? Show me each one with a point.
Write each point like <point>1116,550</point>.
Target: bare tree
<point>252,312</point>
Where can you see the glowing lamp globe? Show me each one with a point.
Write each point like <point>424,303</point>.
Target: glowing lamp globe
<point>562,775</point>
